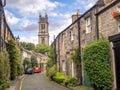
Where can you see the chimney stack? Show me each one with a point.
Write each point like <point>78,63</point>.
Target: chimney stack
<point>76,16</point>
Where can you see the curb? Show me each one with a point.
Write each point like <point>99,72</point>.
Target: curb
<point>16,83</point>
<point>21,81</point>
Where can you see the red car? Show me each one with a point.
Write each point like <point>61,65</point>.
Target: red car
<point>37,70</point>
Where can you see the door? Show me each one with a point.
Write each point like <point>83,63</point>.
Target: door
<point>117,62</point>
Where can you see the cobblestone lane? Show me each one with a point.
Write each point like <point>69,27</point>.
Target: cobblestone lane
<point>39,82</point>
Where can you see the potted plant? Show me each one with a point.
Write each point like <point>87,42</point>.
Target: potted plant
<point>116,14</point>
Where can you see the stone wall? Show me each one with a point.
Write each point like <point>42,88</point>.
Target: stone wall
<point>65,44</point>
<point>107,24</point>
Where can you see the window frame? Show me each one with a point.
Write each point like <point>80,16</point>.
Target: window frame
<point>88,24</point>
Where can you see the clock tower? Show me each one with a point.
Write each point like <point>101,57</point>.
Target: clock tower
<point>43,34</point>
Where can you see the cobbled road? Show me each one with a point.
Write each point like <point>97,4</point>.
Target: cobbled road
<point>39,81</point>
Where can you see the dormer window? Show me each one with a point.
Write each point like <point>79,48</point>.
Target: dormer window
<point>88,25</point>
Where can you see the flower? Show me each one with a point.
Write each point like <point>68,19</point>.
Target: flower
<point>116,14</point>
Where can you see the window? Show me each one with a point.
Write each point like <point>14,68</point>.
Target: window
<point>118,25</point>
<point>118,8</point>
<point>71,35</point>
<point>42,26</point>
<point>88,25</point>
<point>43,41</point>
<point>63,65</point>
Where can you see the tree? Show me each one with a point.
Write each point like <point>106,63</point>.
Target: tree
<point>34,61</point>
<point>44,49</point>
<point>28,46</point>
<point>26,63</point>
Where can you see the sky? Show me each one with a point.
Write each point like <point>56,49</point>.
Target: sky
<point>23,16</point>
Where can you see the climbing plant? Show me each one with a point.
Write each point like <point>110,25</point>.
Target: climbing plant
<point>15,59</point>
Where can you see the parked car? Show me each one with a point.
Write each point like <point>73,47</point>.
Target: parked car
<point>37,70</point>
<point>29,71</point>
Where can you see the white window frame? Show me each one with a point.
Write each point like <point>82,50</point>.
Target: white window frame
<point>88,25</point>
<point>72,35</point>
<point>63,66</point>
<point>118,8</point>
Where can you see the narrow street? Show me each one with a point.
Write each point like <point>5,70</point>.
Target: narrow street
<point>38,81</point>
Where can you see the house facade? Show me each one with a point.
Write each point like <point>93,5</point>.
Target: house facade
<point>41,58</point>
<point>95,23</point>
<point>5,32</point>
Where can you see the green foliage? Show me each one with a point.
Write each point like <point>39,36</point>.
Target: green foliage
<point>83,88</point>
<point>44,49</point>
<point>59,77</point>
<point>96,58</point>
<point>34,61</point>
<point>63,79</point>
<point>26,63</point>
<point>75,57</point>
<point>15,59</point>
<point>4,70</point>
<point>51,72</point>
<point>70,81</point>
<point>41,65</point>
<point>28,46</point>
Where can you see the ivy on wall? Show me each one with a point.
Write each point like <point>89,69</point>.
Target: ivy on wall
<point>15,59</point>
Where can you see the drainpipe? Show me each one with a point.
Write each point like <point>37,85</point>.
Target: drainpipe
<point>59,54</point>
<point>79,50</point>
<point>96,15</point>
<point>97,30</point>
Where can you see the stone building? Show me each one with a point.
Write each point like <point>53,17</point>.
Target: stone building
<point>43,34</point>
<point>94,23</point>
<point>5,32</point>
<point>41,58</point>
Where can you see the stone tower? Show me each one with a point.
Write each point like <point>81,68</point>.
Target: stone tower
<point>43,34</point>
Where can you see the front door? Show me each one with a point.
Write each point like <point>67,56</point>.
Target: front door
<point>117,62</point>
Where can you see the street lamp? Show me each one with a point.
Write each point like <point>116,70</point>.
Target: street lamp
<point>79,50</point>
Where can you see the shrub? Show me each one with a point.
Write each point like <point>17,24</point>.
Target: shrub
<point>51,72</point>
<point>4,70</point>
<point>96,58</point>
<point>70,81</point>
<point>59,77</point>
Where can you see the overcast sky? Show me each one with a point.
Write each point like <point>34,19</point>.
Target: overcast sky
<point>23,16</point>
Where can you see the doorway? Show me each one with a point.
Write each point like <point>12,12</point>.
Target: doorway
<point>115,39</point>
<point>117,62</point>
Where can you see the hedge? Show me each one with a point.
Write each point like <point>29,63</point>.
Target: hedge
<point>15,59</point>
<point>4,70</point>
<point>97,64</point>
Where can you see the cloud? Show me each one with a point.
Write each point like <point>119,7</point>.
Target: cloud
<point>86,4</point>
<point>32,39</point>
<point>27,15</point>
<point>31,8</point>
<point>11,19</point>
<point>29,28</point>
